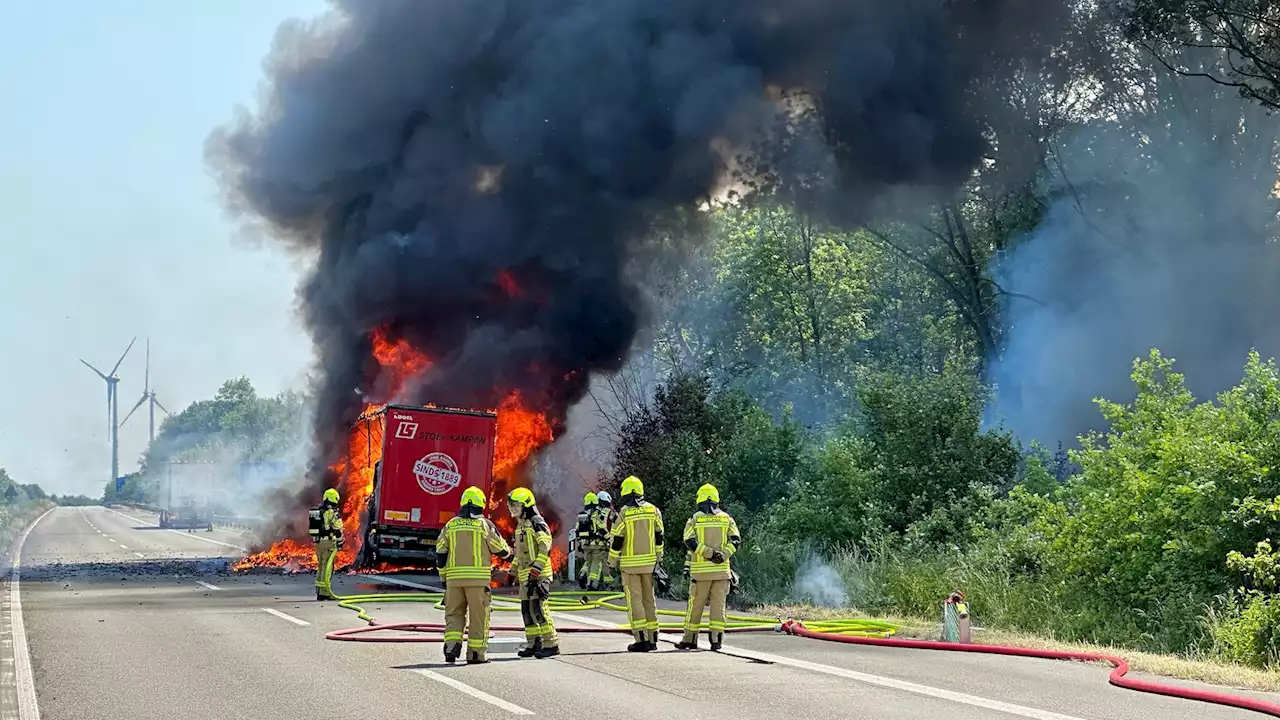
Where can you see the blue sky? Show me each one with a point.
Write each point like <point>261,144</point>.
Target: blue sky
<point>110,225</point>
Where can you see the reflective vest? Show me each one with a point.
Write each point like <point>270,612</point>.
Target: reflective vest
<point>533,546</point>
<point>637,538</point>
<point>467,544</point>
<point>706,533</point>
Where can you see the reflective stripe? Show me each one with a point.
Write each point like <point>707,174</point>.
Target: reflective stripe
<point>469,573</point>
<point>453,636</point>
<point>638,560</point>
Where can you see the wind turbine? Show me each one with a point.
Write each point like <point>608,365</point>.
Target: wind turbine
<point>113,409</point>
<point>148,395</point>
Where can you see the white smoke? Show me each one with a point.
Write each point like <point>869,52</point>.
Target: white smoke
<point>819,584</point>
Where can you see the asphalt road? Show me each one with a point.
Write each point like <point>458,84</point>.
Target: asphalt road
<point>124,620</point>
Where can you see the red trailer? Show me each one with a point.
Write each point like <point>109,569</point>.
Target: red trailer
<point>429,456</point>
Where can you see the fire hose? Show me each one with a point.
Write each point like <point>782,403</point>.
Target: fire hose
<point>853,631</point>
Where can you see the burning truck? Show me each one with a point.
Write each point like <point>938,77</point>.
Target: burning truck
<point>429,458</point>
<point>399,488</point>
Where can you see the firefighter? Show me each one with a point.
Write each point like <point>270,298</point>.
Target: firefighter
<point>598,573</point>
<point>636,549</point>
<point>711,536</point>
<point>462,555</point>
<point>582,536</point>
<point>532,561</point>
<point>324,524</point>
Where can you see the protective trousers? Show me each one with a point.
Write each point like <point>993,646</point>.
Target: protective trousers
<point>459,603</point>
<point>597,557</point>
<point>326,553</point>
<point>700,593</point>
<point>641,606</point>
<point>538,628</point>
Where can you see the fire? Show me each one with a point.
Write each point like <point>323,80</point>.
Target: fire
<point>520,433</point>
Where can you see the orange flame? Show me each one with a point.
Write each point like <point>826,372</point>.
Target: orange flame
<point>520,433</point>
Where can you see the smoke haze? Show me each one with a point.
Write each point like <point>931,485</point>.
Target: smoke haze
<point>1160,235</point>
<point>473,176</point>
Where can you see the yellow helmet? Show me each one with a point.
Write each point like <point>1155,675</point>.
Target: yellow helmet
<point>472,496</point>
<point>331,495</point>
<point>708,492</point>
<point>632,486</point>
<point>522,497</point>
<point>589,499</point>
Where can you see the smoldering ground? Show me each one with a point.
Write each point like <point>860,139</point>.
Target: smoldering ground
<point>473,176</point>
<point>1159,233</point>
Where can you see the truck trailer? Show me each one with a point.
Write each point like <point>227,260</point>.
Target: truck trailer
<point>183,494</point>
<point>429,457</point>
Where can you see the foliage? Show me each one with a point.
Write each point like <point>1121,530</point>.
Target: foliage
<point>15,493</point>
<point>74,500</point>
<point>1245,30</point>
<point>235,425</point>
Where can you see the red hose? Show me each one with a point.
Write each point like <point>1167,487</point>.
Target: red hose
<point>1117,677</point>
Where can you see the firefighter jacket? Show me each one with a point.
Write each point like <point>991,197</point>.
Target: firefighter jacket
<point>533,546</point>
<point>464,548</point>
<point>329,525</point>
<point>706,533</point>
<point>601,524</point>
<point>636,538</point>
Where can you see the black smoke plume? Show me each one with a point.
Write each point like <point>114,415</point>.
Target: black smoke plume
<point>421,149</point>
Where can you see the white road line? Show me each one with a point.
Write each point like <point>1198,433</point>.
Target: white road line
<point>28,709</point>
<point>285,616</point>
<point>176,532</point>
<point>903,685</point>
<point>203,584</point>
<point>144,557</point>
<point>477,694</point>
<point>407,583</point>
<point>124,547</point>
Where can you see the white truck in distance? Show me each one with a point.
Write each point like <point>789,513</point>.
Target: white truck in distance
<point>183,497</point>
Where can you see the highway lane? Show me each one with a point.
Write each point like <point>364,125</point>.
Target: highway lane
<point>169,635</point>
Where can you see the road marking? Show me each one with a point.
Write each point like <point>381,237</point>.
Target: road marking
<point>204,584</point>
<point>176,532</point>
<point>477,694</point>
<point>144,557</point>
<point>28,709</point>
<point>407,583</point>
<point>285,616</point>
<point>124,547</point>
<point>903,685</point>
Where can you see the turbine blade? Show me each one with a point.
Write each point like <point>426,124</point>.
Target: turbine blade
<point>157,402</point>
<point>126,352</point>
<point>146,376</point>
<point>135,407</point>
<point>104,377</point>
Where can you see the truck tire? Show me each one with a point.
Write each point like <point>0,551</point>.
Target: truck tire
<point>368,556</point>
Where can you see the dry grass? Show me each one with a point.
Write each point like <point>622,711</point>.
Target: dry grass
<point>1181,668</point>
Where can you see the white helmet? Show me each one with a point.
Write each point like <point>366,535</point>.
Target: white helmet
<point>603,496</point>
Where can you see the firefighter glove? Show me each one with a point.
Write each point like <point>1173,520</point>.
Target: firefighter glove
<point>717,556</point>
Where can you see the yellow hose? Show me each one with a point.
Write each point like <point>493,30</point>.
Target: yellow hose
<point>573,601</point>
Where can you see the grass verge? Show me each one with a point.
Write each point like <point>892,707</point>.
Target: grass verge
<point>1171,666</point>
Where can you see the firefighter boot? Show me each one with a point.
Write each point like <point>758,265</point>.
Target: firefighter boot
<point>716,638</point>
<point>451,652</point>
<point>641,644</point>
<point>652,643</point>
<point>546,652</point>
<point>689,642</point>
<point>476,657</point>
<point>531,650</point>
